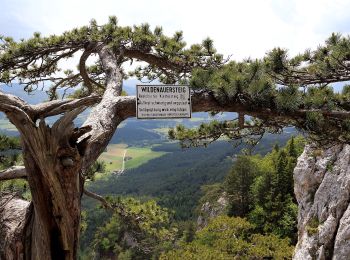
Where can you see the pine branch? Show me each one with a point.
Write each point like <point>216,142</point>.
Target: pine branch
<point>82,67</point>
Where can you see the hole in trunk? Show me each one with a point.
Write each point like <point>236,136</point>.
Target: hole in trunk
<point>57,252</point>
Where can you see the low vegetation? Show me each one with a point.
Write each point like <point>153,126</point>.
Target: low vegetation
<point>259,220</point>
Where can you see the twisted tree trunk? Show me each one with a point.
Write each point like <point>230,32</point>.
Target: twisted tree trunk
<point>56,157</point>
<point>53,162</point>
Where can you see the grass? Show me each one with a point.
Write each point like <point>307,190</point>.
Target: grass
<point>113,157</point>
<point>140,156</point>
<point>312,226</point>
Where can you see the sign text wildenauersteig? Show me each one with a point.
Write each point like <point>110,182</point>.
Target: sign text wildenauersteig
<point>163,101</point>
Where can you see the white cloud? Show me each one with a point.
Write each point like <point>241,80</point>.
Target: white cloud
<point>243,28</point>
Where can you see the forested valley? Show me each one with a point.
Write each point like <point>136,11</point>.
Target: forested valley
<point>216,201</point>
<point>244,208</point>
<point>188,202</point>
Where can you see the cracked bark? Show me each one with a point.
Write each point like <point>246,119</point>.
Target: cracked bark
<point>13,216</point>
<point>54,161</point>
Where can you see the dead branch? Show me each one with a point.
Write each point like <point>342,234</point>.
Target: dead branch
<point>98,197</point>
<point>15,172</point>
<point>57,107</point>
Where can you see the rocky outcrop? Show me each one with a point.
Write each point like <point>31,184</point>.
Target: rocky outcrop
<point>322,189</point>
<point>211,210</point>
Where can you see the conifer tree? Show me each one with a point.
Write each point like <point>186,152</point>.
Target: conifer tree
<point>57,157</point>
<point>237,186</point>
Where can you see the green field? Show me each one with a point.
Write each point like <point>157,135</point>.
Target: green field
<point>140,156</point>
<point>113,157</point>
<point>136,156</point>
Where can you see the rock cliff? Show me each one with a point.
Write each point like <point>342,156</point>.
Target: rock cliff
<point>322,189</point>
<point>211,210</point>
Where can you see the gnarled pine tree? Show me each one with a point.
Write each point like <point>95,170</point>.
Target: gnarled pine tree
<point>277,92</point>
<point>57,157</point>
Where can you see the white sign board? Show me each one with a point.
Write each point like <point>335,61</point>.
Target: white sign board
<point>163,101</point>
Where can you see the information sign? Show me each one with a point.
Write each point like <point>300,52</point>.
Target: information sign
<point>163,101</point>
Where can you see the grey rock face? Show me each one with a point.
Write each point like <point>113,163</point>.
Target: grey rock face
<point>322,189</point>
<point>211,210</point>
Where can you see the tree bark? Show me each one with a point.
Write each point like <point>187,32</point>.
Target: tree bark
<point>53,164</point>
<point>55,160</point>
<point>13,214</point>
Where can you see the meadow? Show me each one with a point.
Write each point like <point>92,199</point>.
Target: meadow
<point>135,156</point>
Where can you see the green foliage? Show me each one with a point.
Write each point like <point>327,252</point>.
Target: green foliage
<point>211,193</point>
<point>269,246</point>
<point>261,189</point>
<point>282,90</point>
<point>237,185</point>
<point>83,223</point>
<point>175,179</point>
<point>276,60</point>
<point>18,186</point>
<point>8,142</point>
<point>274,204</point>
<point>189,232</point>
<point>236,82</point>
<point>169,178</point>
<point>224,227</point>
<point>97,166</point>
<point>250,134</point>
<point>139,229</point>
<point>277,91</point>
<point>315,121</point>
<point>320,97</point>
<point>175,186</point>
<point>231,238</point>
<point>36,60</point>
<point>288,99</point>
<point>312,226</point>
<point>225,237</point>
<point>10,157</point>
<point>346,92</point>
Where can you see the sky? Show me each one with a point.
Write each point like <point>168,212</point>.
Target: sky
<point>245,28</point>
